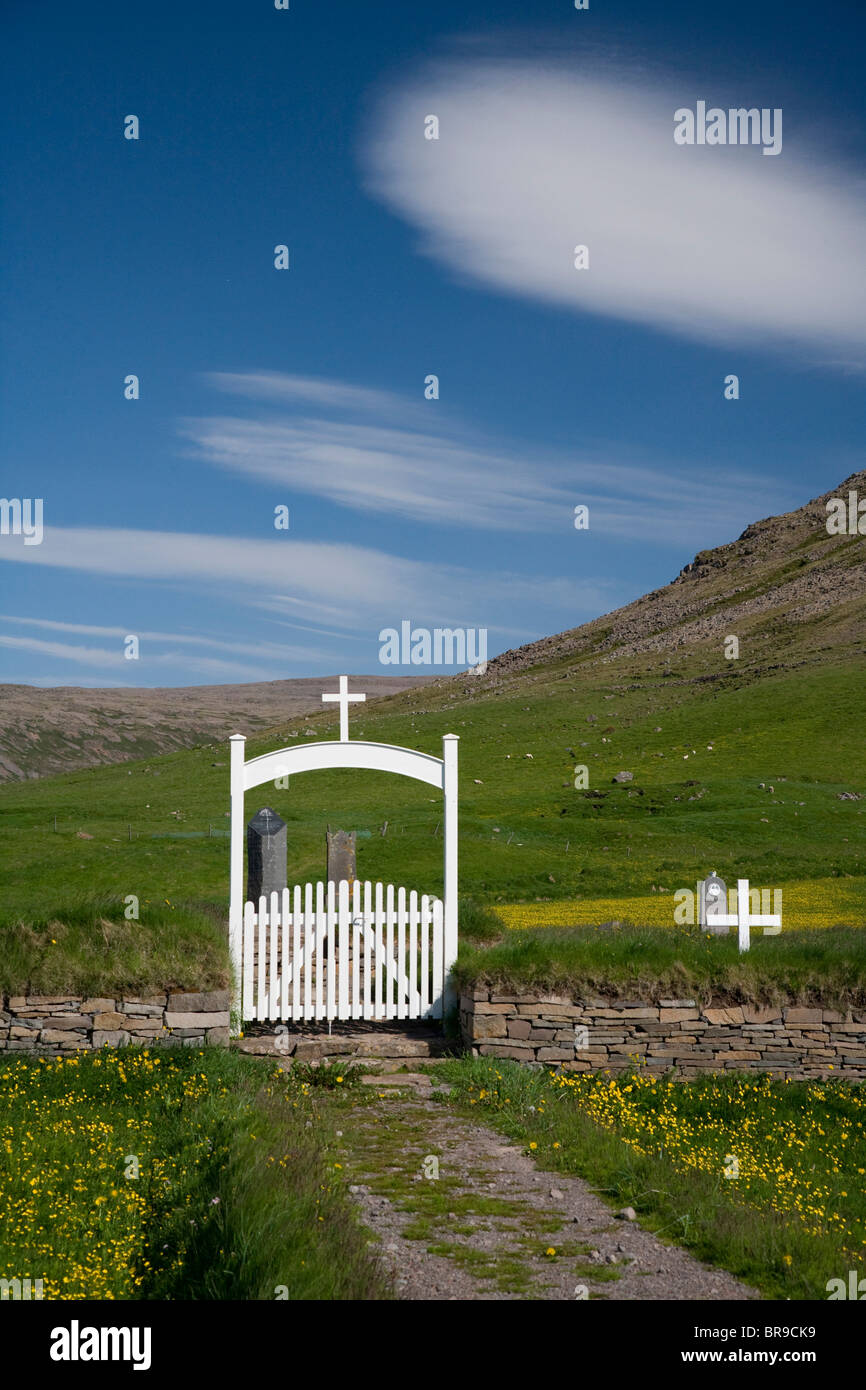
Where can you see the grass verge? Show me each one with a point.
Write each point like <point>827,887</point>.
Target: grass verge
<point>88,946</point>
<point>823,967</point>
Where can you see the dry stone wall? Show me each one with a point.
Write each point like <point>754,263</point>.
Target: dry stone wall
<point>671,1035</point>
<point>67,1022</point>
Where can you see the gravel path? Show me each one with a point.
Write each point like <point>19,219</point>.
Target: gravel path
<point>491,1225</point>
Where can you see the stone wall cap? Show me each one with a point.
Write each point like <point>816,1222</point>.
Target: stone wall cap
<point>197,1021</point>
<point>212,1001</point>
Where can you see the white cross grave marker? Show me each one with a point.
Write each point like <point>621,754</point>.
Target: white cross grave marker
<point>344,699</point>
<point>743,919</point>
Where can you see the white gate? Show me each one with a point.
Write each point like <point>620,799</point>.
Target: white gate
<point>285,936</point>
<point>343,951</point>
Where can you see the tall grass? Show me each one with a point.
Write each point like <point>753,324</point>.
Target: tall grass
<point>87,945</point>
<point>178,1174</point>
<point>826,966</point>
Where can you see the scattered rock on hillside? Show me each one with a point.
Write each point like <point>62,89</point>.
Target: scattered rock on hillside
<point>623,777</point>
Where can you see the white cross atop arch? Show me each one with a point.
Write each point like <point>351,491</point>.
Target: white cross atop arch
<point>344,700</point>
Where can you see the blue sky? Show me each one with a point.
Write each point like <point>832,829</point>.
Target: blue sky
<point>305,388</point>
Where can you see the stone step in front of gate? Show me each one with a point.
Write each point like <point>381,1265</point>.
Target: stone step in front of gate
<point>376,1046</point>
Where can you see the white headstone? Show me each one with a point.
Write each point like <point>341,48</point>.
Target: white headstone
<point>713,904</point>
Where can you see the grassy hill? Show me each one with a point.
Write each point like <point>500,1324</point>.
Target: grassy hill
<point>647,690</point>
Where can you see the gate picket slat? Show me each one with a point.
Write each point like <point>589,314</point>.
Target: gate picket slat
<point>261,997</point>
<point>308,950</point>
<point>425,955</point>
<point>356,950</point>
<point>249,933</point>
<point>413,952</point>
<point>331,954</point>
<point>285,961</point>
<point>389,947</point>
<point>343,1009</point>
<point>380,953</point>
<point>368,939</point>
<point>274,920</point>
<point>296,953</point>
<point>402,982</point>
<point>319,931</point>
<point>438,957</point>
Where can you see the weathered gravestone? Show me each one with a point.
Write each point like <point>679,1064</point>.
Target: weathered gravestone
<point>341,856</point>
<point>713,904</point>
<point>266,854</point>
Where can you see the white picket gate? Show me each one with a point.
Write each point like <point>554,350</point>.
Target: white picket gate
<point>346,951</point>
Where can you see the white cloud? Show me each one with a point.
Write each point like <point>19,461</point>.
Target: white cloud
<point>266,651</point>
<point>444,474</point>
<point>421,476</point>
<point>65,651</point>
<point>362,585</point>
<point>80,682</point>
<point>716,243</point>
<point>276,655</point>
<point>319,391</point>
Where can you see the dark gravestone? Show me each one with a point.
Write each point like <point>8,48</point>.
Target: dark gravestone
<point>714,903</point>
<point>341,856</point>
<point>266,854</point>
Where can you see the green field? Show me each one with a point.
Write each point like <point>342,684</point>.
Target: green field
<point>526,833</point>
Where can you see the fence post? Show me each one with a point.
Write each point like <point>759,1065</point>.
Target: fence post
<point>743,913</point>
<point>237,744</point>
<point>449,840</point>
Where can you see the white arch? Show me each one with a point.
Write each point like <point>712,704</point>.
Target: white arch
<point>351,753</point>
<point>374,757</point>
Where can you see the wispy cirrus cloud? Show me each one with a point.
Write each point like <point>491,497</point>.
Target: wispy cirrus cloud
<point>450,475</point>
<point>313,579</point>
<point>535,157</point>
<point>265,650</point>
<point>271,656</point>
<point>318,391</point>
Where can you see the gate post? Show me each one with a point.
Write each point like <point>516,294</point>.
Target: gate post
<point>237,744</point>
<point>449,789</point>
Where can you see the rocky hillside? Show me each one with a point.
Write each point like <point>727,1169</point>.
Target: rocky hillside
<point>43,732</point>
<point>787,589</point>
